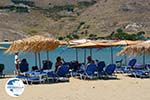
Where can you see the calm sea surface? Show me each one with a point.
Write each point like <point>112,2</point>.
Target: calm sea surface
<point>68,54</point>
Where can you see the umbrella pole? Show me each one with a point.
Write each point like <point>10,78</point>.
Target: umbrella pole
<point>76,54</point>
<point>91,52</point>
<point>35,58</point>
<point>144,57</point>
<point>125,57</point>
<point>85,56</point>
<point>47,55</point>
<point>112,60</point>
<point>39,60</point>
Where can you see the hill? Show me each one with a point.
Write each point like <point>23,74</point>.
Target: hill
<point>59,18</point>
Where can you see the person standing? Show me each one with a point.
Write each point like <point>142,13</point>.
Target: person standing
<point>17,61</point>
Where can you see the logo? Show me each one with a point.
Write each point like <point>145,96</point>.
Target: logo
<point>14,87</point>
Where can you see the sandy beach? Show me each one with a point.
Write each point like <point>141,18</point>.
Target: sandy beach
<point>124,88</point>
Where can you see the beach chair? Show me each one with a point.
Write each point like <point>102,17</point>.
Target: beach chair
<point>35,68</point>
<point>142,73</point>
<point>1,70</point>
<point>61,73</point>
<point>131,64</point>
<point>100,68</point>
<point>109,71</point>
<point>33,77</point>
<point>31,80</point>
<point>119,66</point>
<point>47,65</point>
<point>89,73</point>
<point>24,67</point>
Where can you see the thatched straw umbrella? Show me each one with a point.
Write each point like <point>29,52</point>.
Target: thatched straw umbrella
<point>80,41</point>
<point>83,45</point>
<point>125,43</point>
<point>34,44</point>
<point>138,49</point>
<point>90,45</point>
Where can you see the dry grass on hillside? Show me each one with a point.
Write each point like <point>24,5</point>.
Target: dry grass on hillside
<point>102,18</point>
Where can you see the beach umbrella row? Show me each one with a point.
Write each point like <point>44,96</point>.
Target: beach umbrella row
<point>39,43</point>
<point>103,44</point>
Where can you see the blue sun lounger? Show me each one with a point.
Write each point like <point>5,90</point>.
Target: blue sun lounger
<point>100,68</point>
<point>108,72</point>
<point>142,73</point>
<point>89,73</point>
<point>119,66</point>
<point>131,64</point>
<point>62,72</point>
<point>33,77</point>
<point>24,67</point>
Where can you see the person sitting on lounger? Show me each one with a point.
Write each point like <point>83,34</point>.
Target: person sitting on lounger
<point>47,64</point>
<point>90,60</point>
<point>24,66</point>
<point>58,63</point>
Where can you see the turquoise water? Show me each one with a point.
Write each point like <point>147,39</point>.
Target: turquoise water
<point>68,54</point>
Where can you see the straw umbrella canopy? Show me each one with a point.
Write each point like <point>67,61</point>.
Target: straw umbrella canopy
<point>76,42</point>
<point>83,45</point>
<point>35,43</point>
<point>138,49</point>
<point>125,43</point>
<point>91,44</point>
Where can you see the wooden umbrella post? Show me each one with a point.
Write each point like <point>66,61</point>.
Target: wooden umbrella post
<point>76,54</point>
<point>85,56</point>
<point>35,58</point>
<point>91,54</point>
<point>39,56</point>
<point>125,57</point>
<point>144,56</point>
<point>112,60</point>
<point>47,55</point>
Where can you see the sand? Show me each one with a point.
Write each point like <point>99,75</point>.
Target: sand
<point>125,88</point>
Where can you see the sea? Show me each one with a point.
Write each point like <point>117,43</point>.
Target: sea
<point>68,54</point>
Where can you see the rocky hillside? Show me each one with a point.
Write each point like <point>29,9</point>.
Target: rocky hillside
<point>108,15</point>
<point>82,17</point>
